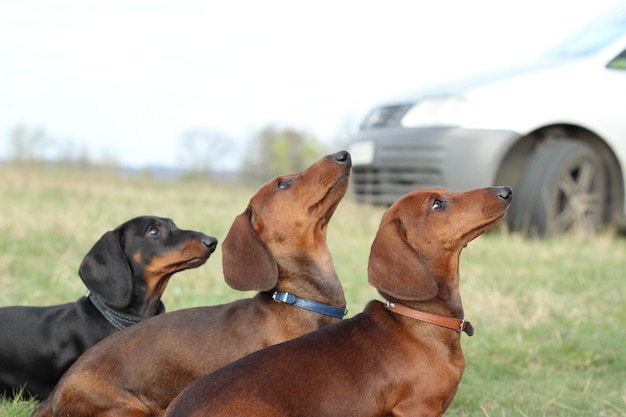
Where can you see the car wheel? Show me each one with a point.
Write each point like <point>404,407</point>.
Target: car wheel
<point>563,189</point>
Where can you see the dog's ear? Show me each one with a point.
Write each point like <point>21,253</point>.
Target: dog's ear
<point>396,268</point>
<point>106,272</point>
<point>247,262</point>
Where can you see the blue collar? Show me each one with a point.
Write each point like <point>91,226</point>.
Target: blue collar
<point>285,297</point>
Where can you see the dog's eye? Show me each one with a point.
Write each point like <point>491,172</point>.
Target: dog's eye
<point>153,231</point>
<point>282,184</point>
<point>438,204</point>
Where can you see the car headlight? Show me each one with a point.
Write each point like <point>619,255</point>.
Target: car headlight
<point>436,111</point>
<point>362,153</point>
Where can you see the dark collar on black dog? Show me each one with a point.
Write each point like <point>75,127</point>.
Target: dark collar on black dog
<point>285,297</point>
<point>118,320</point>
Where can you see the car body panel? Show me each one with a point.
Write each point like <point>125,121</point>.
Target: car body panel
<point>501,109</point>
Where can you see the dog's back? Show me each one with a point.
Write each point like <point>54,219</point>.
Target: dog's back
<point>184,348</point>
<point>364,365</point>
<point>29,352</point>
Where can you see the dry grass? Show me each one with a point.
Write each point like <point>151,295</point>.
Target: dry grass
<point>549,315</point>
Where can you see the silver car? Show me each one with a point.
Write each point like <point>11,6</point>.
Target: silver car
<point>555,130</point>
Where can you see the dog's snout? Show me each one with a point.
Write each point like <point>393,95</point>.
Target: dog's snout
<point>210,242</point>
<point>343,157</point>
<point>505,193</point>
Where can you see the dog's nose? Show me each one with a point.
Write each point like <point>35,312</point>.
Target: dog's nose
<point>343,157</point>
<point>210,242</point>
<point>505,193</point>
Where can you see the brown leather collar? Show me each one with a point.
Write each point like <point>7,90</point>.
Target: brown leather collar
<point>459,325</point>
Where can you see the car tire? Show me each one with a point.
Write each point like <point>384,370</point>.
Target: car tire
<point>563,189</point>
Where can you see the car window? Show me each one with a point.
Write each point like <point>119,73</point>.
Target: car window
<point>592,37</point>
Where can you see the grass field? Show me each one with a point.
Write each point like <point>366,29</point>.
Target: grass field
<point>550,316</point>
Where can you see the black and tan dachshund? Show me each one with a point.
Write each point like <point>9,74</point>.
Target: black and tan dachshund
<point>125,273</point>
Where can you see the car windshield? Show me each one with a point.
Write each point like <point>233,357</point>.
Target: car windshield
<point>592,37</point>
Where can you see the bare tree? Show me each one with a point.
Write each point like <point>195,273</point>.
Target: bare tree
<point>27,144</point>
<point>277,150</point>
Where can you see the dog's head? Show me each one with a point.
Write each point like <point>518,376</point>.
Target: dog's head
<point>286,221</point>
<point>416,251</point>
<point>133,262</point>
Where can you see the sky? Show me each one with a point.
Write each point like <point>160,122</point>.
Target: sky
<point>127,78</point>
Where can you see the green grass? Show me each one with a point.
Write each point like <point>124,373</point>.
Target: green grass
<point>549,316</point>
<point>16,406</point>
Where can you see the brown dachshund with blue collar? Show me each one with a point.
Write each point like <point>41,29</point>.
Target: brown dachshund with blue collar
<point>398,358</point>
<point>277,247</point>
<point>126,272</point>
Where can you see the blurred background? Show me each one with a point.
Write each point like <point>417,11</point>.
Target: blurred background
<point>119,95</point>
<point>190,84</point>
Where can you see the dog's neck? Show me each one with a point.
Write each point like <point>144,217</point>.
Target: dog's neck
<point>306,304</point>
<point>146,301</point>
<point>306,279</point>
<point>119,319</point>
<point>149,303</point>
<point>146,309</point>
<point>459,325</point>
<point>447,301</point>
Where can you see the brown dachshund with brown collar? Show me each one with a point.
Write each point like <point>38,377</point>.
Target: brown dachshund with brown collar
<point>277,246</point>
<point>125,272</point>
<point>399,358</point>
